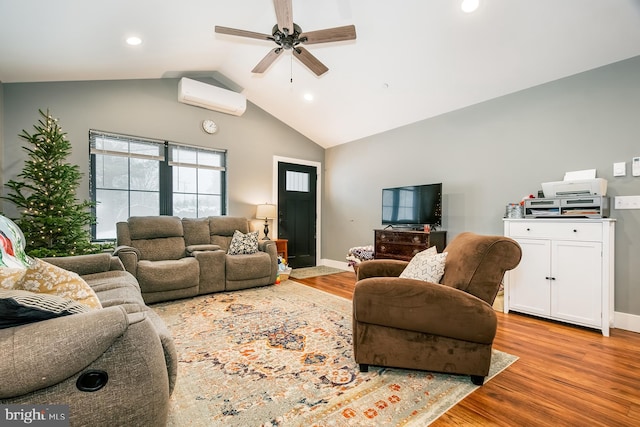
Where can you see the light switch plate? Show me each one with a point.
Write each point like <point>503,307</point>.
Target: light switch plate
<point>627,202</point>
<point>635,166</point>
<point>619,169</point>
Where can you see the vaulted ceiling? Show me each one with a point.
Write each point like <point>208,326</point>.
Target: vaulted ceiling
<point>412,59</point>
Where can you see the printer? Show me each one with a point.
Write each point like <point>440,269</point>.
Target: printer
<point>575,187</point>
<point>574,197</point>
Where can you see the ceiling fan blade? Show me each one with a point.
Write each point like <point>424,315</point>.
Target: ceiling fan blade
<point>267,61</point>
<point>284,15</point>
<point>310,61</point>
<point>336,34</point>
<point>242,33</point>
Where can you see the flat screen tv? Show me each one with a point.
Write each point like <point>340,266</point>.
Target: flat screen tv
<point>412,205</point>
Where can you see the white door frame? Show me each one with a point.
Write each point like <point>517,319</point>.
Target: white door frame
<point>318,166</point>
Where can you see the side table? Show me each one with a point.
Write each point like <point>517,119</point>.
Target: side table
<point>281,248</point>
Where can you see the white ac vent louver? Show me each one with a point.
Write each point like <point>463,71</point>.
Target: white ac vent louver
<point>193,92</point>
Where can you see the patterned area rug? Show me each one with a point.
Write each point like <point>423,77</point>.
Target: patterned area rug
<point>320,270</point>
<point>282,356</point>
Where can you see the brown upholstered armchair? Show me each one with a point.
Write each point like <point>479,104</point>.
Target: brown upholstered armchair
<point>441,327</point>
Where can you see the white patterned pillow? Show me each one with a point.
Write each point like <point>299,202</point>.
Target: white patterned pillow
<point>243,243</point>
<point>427,265</point>
<point>45,278</point>
<point>18,307</point>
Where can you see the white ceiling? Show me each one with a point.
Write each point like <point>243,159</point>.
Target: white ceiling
<point>413,59</point>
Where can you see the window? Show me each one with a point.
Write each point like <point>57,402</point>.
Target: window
<point>133,176</point>
<point>297,181</point>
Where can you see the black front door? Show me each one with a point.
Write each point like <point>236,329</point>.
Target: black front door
<point>297,212</point>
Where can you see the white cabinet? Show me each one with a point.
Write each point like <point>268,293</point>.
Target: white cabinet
<point>566,271</point>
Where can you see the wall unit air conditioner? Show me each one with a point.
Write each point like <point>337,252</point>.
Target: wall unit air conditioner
<point>211,97</point>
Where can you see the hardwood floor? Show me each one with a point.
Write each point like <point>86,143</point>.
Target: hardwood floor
<point>565,375</point>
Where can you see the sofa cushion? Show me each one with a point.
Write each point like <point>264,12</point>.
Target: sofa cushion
<point>19,307</point>
<point>196,231</point>
<point>47,278</point>
<point>161,249</point>
<point>245,267</point>
<point>427,265</point>
<point>168,275</point>
<point>243,243</point>
<point>115,288</point>
<point>153,227</point>
<point>227,225</point>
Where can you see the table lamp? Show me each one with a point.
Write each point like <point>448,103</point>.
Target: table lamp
<point>267,212</point>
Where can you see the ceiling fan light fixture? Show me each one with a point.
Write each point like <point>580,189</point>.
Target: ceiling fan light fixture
<point>287,35</point>
<point>469,6</point>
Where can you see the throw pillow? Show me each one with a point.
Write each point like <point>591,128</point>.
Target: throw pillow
<point>45,278</point>
<point>243,243</point>
<point>12,244</point>
<point>427,265</point>
<point>21,307</point>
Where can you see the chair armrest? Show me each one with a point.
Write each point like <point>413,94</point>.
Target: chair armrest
<point>84,264</point>
<point>42,354</point>
<point>129,257</point>
<point>426,307</point>
<point>265,245</point>
<point>381,268</point>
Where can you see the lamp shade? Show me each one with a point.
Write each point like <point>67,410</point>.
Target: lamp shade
<point>266,211</point>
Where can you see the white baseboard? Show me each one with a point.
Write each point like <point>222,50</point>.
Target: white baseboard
<point>342,265</point>
<point>626,321</point>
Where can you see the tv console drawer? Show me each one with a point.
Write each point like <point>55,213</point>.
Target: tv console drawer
<point>404,245</point>
<point>403,237</point>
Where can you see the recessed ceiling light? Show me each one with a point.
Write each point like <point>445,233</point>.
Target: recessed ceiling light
<point>134,41</point>
<point>308,97</point>
<point>469,6</point>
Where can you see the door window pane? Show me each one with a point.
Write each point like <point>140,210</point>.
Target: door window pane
<point>297,181</point>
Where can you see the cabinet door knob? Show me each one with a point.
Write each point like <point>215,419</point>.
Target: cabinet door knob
<point>528,229</point>
<point>575,231</point>
<point>550,278</point>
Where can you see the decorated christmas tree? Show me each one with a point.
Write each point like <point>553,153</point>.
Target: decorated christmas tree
<point>53,220</point>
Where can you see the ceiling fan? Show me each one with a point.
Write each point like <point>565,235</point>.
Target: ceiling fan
<point>289,36</point>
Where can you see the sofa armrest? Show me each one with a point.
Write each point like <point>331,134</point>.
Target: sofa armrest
<point>381,268</point>
<point>269,246</point>
<point>84,264</point>
<point>42,354</point>
<point>129,256</point>
<point>431,308</point>
<point>199,248</point>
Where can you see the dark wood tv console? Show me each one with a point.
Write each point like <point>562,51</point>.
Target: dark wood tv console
<point>404,244</point>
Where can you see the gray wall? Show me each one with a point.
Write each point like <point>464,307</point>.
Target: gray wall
<point>496,152</point>
<point>149,108</point>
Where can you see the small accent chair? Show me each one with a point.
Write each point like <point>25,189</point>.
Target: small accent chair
<point>441,327</point>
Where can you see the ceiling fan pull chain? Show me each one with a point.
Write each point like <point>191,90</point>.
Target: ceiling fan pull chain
<point>291,69</point>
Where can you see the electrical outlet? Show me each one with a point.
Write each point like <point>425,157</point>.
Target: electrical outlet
<point>627,202</point>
